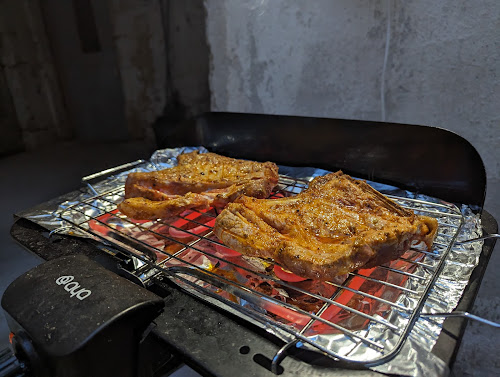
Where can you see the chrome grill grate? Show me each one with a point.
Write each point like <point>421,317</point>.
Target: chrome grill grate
<point>351,309</point>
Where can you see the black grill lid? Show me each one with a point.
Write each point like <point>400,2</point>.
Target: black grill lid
<point>423,159</point>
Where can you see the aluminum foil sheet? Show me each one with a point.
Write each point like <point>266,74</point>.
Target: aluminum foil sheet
<point>414,357</point>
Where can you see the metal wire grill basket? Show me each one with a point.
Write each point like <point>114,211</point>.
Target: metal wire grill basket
<point>362,318</point>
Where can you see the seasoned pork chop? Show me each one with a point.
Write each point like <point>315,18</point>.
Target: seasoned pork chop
<point>198,181</point>
<point>337,225</point>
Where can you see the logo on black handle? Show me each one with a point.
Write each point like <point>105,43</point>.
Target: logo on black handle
<point>73,287</point>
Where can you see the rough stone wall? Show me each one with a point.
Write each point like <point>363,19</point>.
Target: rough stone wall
<point>30,75</point>
<point>188,52</point>
<point>132,35</point>
<point>140,44</point>
<point>325,58</point>
<point>12,137</point>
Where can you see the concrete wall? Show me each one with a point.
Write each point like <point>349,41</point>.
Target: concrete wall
<point>12,136</point>
<point>187,62</point>
<point>55,87</point>
<point>30,78</point>
<point>188,55</point>
<point>325,58</point>
<point>83,47</point>
<point>139,40</point>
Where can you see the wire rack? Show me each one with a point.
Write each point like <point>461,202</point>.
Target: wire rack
<point>362,318</point>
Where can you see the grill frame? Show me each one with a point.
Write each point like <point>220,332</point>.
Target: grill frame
<point>326,143</point>
<point>178,328</point>
<point>294,183</point>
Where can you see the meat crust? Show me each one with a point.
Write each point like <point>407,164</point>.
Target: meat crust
<point>198,181</point>
<point>337,225</point>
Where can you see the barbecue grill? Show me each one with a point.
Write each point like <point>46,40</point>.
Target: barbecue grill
<point>224,312</point>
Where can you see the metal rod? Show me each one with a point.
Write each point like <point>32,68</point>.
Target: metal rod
<point>357,291</point>
<point>446,235</point>
<point>438,215</point>
<point>410,275</point>
<point>424,265</point>
<point>463,315</point>
<point>112,170</point>
<point>280,355</point>
<point>482,238</point>
<point>94,191</point>
<point>437,243</point>
<point>384,283</point>
<point>448,224</point>
<point>447,206</point>
<point>428,253</point>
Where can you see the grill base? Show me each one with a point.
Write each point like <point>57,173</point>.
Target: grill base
<point>220,345</point>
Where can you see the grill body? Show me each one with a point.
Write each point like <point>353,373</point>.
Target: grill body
<point>422,159</point>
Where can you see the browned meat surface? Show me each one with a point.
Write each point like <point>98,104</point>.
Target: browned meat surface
<point>198,181</point>
<point>336,226</point>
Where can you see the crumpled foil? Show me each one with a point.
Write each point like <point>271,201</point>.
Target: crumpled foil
<point>413,359</point>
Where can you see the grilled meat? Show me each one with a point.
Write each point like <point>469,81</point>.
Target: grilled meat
<point>335,226</point>
<point>198,181</point>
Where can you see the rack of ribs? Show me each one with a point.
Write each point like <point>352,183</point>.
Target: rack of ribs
<point>198,181</point>
<point>335,226</point>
